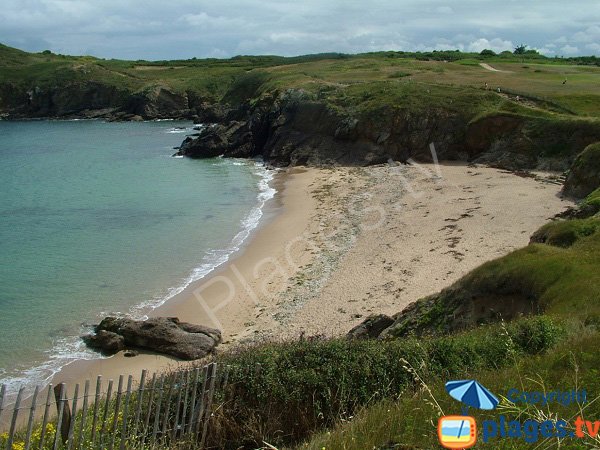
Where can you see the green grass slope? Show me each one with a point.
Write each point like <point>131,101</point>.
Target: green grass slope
<point>410,422</point>
<point>534,76</point>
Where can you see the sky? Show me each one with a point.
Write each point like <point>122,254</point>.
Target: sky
<point>174,29</point>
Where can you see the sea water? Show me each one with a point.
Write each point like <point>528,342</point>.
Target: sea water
<point>98,218</point>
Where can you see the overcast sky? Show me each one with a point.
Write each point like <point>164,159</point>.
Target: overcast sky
<point>161,29</point>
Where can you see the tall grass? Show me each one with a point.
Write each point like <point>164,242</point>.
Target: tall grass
<point>280,393</point>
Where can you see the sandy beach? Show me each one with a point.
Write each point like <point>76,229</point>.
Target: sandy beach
<point>339,244</point>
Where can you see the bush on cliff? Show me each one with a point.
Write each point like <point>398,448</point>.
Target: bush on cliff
<point>584,176</point>
<point>593,200</point>
<point>409,423</point>
<point>300,387</point>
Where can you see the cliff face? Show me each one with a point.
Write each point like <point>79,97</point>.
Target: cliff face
<point>59,101</point>
<point>89,99</point>
<point>297,130</point>
<point>294,130</point>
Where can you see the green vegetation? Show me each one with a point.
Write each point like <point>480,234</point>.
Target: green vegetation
<point>411,421</point>
<point>281,392</point>
<point>566,233</point>
<point>335,75</point>
<point>584,175</point>
<point>593,200</point>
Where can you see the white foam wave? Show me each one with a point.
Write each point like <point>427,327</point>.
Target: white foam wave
<point>177,130</point>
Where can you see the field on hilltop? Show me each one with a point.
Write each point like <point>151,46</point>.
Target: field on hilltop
<point>336,75</point>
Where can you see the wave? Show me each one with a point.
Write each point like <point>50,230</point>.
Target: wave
<point>177,130</point>
<point>71,348</point>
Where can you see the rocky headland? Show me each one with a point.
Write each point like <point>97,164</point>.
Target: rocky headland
<point>294,128</point>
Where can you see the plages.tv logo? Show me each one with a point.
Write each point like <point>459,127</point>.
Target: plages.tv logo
<point>460,431</point>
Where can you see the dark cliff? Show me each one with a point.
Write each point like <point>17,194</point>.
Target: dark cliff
<point>296,129</point>
<point>91,99</point>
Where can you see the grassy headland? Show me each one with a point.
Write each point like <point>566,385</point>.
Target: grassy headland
<point>384,393</point>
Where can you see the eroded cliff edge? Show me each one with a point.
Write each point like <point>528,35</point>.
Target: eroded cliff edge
<point>299,128</point>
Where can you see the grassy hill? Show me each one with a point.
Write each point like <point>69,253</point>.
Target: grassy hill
<point>337,75</point>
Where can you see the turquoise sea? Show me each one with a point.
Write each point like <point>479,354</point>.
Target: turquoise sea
<point>98,218</point>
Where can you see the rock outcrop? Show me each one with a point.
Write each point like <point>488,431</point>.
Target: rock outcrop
<point>107,342</point>
<point>165,335</point>
<point>158,102</point>
<point>459,307</point>
<point>90,99</point>
<point>584,175</point>
<point>297,128</point>
<point>371,327</point>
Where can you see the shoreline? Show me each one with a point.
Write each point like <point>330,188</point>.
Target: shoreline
<point>66,347</point>
<point>185,306</point>
<point>328,252</point>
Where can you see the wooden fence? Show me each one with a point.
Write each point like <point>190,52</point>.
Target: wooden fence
<point>161,409</point>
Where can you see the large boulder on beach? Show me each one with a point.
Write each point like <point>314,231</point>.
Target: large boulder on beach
<point>166,335</point>
<point>106,342</point>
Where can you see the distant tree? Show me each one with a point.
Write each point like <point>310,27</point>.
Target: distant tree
<point>520,49</point>
<point>487,52</point>
<point>46,52</point>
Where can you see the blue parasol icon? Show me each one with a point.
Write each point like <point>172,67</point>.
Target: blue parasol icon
<point>471,393</point>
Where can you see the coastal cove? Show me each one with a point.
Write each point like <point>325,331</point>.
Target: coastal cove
<point>97,218</point>
<point>340,244</point>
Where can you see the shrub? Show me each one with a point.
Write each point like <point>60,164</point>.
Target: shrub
<point>566,233</point>
<point>303,386</point>
<point>584,175</point>
<point>399,74</point>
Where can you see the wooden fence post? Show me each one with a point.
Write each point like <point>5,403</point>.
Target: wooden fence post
<point>13,423</point>
<point>140,398</point>
<point>2,396</point>
<point>211,393</point>
<point>46,416</point>
<point>31,418</point>
<point>73,418</point>
<point>84,413</point>
<point>64,414</point>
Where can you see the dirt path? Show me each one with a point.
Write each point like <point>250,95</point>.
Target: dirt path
<point>492,69</point>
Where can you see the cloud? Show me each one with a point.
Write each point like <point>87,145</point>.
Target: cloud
<point>591,34</point>
<point>205,21</point>
<point>594,47</point>
<point>155,29</point>
<point>497,45</point>
<point>569,50</point>
<point>444,10</point>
